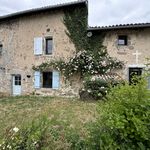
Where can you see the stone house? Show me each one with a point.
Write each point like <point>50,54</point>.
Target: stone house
<point>29,38</point>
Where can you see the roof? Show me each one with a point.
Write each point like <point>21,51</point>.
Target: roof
<point>42,9</point>
<point>121,26</point>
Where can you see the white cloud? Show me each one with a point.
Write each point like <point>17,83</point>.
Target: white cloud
<point>108,12</point>
<point>101,12</point>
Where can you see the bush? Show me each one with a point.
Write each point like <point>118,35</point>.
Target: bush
<point>124,119</point>
<point>96,89</point>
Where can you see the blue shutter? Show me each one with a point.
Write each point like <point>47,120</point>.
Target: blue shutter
<point>37,79</point>
<point>56,80</point>
<point>38,46</point>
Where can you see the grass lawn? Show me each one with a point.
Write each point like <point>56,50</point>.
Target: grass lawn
<point>16,111</point>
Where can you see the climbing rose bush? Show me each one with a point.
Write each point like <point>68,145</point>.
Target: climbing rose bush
<point>96,87</point>
<point>84,63</point>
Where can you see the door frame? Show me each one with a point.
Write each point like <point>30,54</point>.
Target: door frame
<point>134,66</point>
<point>12,84</point>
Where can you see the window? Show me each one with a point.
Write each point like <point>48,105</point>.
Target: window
<point>18,80</point>
<point>1,48</point>
<point>47,79</point>
<point>122,40</point>
<point>49,46</point>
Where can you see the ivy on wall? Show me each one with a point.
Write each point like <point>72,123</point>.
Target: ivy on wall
<point>91,56</point>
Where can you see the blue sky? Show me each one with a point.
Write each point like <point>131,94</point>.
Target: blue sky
<point>101,12</point>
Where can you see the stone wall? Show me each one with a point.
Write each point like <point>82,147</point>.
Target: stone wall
<point>138,39</point>
<point>17,37</point>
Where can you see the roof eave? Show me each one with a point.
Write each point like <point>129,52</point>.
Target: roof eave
<point>42,9</point>
<point>119,27</point>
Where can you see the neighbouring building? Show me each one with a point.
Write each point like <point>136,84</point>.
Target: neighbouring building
<point>31,37</point>
<point>128,43</point>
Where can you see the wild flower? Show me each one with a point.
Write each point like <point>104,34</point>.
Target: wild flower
<point>8,146</point>
<point>89,91</point>
<point>15,129</point>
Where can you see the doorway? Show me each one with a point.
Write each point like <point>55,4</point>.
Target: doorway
<point>16,85</point>
<point>133,73</point>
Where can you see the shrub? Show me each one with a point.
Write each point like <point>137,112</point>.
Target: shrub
<point>97,88</point>
<point>124,119</point>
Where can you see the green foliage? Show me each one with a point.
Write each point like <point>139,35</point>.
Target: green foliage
<point>84,63</point>
<point>75,20</point>
<point>31,137</point>
<point>122,124</point>
<point>123,119</point>
<point>42,134</point>
<point>96,88</point>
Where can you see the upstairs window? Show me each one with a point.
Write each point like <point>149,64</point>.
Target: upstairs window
<point>122,40</point>
<point>39,44</point>
<point>49,46</point>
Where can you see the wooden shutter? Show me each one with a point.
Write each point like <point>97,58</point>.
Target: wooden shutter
<point>56,80</point>
<point>37,79</point>
<point>38,46</point>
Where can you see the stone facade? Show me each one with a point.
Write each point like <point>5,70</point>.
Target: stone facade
<point>17,36</point>
<point>17,58</point>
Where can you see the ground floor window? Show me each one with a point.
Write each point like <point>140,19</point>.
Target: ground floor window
<point>49,79</point>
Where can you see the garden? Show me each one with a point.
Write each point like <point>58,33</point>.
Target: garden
<point>120,121</point>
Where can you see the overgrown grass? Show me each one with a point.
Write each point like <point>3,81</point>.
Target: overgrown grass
<point>17,111</point>
<point>121,121</point>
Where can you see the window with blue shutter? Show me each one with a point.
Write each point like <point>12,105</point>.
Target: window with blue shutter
<point>56,80</point>
<point>38,46</point>
<point>47,79</point>
<point>51,80</point>
<point>37,79</point>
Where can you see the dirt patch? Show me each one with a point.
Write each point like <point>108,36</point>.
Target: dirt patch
<point>2,95</point>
